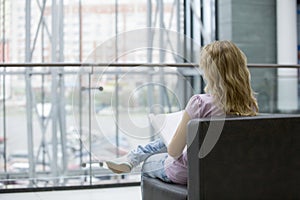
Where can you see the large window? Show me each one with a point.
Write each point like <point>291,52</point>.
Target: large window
<point>56,124</point>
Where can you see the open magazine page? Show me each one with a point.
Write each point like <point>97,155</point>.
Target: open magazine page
<point>166,124</point>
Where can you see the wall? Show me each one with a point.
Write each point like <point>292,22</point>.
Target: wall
<point>252,26</point>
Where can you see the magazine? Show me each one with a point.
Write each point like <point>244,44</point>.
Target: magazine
<point>166,124</point>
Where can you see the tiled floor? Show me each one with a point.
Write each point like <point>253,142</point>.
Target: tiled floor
<point>124,193</point>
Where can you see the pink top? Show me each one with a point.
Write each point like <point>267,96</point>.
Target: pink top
<point>199,106</point>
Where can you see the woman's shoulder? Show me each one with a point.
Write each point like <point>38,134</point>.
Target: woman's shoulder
<point>204,98</point>
<point>196,104</point>
<point>202,105</point>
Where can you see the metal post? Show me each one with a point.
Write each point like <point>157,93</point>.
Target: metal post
<point>116,30</point>
<point>149,32</point>
<point>161,30</point>
<point>54,99</point>
<point>43,146</point>
<point>61,31</point>
<point>161,52</point>
<point>80,30</point>
<point>43,42</point>
<point>28,30</point>
<point>185,29</point>
<point>202,39</point>
<point>54,31</point>
<point>192,36</point>
<point>90,127</point>
<point>62,114</point>
<point>80,84</point>
<point>4,88</point>
<point>29,93</point>
<point>178,28</point>
<point>117,80</point>
<point>216,19</point>
<point>80,117</point>
<point>3,32</point>
<point>180,59</point>
<point>62,120</point>
<point>4,120</point>
<point>29,127</point>
<point>117,113</point>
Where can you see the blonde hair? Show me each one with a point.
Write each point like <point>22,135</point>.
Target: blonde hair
<point>228,78</point>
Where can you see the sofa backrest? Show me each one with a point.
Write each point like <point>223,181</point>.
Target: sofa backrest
<point>254,158</point>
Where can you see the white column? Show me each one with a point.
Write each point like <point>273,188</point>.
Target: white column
<point>287,54</point>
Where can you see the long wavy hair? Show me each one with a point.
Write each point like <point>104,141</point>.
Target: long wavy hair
<point>228,78</point>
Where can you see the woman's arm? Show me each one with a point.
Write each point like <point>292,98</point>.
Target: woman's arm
<point>178,141</point>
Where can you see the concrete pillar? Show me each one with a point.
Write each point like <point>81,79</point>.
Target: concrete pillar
<point>287,54</point>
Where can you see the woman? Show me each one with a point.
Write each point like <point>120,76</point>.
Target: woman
<point>227,90</point>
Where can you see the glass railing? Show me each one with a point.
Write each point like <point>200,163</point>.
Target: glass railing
<point>59,121</point>
<point>277,87</point>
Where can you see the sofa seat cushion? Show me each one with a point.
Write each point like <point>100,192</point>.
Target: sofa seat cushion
<point>157,189</point>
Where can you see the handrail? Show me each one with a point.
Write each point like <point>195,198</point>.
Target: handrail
<point>98,64</point>
<point>77,64</point>
<point>297,66</point>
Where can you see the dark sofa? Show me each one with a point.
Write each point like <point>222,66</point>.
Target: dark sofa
<point>254,158</point>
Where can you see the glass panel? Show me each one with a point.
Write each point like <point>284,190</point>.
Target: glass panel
<point>277,89</point>
<point>59,123</point>
<point>76,28</point>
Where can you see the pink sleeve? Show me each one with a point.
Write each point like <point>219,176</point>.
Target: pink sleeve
<point>193,107</point>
